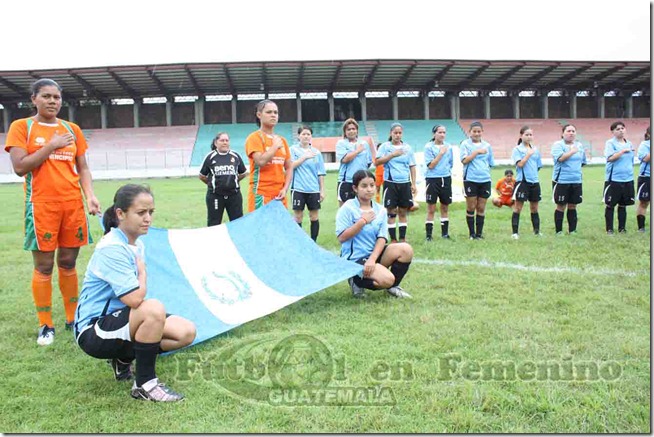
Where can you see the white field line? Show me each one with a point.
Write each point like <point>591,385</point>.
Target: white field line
<point>536,269</point>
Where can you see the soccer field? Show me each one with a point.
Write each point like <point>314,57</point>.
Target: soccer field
<point>542,334</point>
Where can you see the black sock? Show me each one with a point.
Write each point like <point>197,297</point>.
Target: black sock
<point>429,228</point>
<point>315,227</point>
<point>146,357</point>
<point>470,219</point>
<point>445,227</point>
<point>364,283</point>
<point>515,222</point>
<point>572,220</point>
<point>641,221</point>
<point>608,217</point>
<point>399,269</point>
<point>622,218</point>
<point>535,222</point>
<point>558,220</point>
<point>403,231</point>
<point>480,224</point>
<point>391,232</point>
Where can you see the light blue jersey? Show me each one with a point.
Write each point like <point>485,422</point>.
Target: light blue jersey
<point>363,243</point>
<point>362,161</point>
<point>643,150</point>
<point>444,167</point>
<point>397,169</point>
<point>529,172</point>
<point>306,175</point>
<point>568,171</point>
<point>112,273</point>
<point>477,170</point>
<point>621,170</point>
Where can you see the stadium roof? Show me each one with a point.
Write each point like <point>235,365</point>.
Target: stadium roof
<point>203,79</point>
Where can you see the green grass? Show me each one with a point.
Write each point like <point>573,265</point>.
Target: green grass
<point>478,313</point>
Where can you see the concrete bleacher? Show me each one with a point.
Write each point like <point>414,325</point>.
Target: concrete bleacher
<point>594,132</point>
<point>417,133</point>
<point>238,133</point>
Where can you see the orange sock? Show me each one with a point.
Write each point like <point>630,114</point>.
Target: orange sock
<point>42,292</point>
<point>68,287</point>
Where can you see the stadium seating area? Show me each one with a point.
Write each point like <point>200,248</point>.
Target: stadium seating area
<point>594,132</point>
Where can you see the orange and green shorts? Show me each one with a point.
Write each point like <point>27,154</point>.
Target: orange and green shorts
<point>256,201</point>
<point>49,225</point>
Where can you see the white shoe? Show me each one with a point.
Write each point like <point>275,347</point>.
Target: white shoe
<point>46,336</point>
<point>398,292</point>
<point>515,236</point>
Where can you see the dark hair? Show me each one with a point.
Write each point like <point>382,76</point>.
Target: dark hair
<point>123,199</point>
<point>304,127</point>
<point>647,133</point>
<point>434,129</point>
<point>361,175</point>
<point>523,129</point>
<point>615,124</point>
<point>262,104</point>
<point>474,124</point>
<point>36,86</point>
<point>348,122</point>
<point>565,126</point>
<point>213,142</point>
<point>393,126</point>
<point>508,172</point>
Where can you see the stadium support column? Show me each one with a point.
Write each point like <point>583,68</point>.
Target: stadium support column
<point>544,105</point>
<point>600,104</point>
<point>425,104</point>
<point>298,105</point>
<point>103,115</point>
<point>6,118</point>
<point>169,111</point>
<point>395,107</point>
<point>330,100</point>
<point>199,111</point>
<point>629,105</point>
<point>515,99</point>
<point>573,104</point>
<point>71,111</point>
<point>234,109</point>
<point>455,109</point>
<point>487,106</point>
<point>137,111</point>
<point>364,107</point>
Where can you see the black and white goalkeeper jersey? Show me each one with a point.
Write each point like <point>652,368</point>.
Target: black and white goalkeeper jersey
<point>222,170</point>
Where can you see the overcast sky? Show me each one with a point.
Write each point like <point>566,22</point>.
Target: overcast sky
<point>71,34</point>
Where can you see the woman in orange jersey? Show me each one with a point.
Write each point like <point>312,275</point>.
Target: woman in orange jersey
<point>379,178</point>
<point>271,166</point>
<point>49,153</point>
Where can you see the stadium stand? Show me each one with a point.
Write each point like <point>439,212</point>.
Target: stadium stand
<point>594,132</point>
<point>417,132</point>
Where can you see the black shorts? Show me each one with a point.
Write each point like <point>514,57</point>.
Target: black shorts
<point>345,191</point>
<point>643,188</point>
<point>526,191</point>
<point>439,189</point>
<point>619,193</point>
<point>477,189</point>
<point>300,199</point>
<point>362,261</point>
<point>109,336</point>
<point>218,203</point>
<point>397,195</point>
<point>562,194</point>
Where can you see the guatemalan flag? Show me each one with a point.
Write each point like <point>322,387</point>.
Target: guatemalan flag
<point>223,276</point>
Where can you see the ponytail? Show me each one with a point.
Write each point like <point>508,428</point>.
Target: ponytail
<point>109,219</point>
<point>123,199</point>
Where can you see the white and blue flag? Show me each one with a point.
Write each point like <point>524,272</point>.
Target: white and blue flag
<point>223,276</point>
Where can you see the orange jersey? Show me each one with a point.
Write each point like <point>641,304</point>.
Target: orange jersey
<point>268,180</point>
<point>505,188</point>
<point>56,180</point>
<point>379,175</point>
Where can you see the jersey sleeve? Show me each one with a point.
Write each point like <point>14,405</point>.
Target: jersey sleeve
<point>609,150</point>
<point>498,185</point>
<point>17,135</point>
<point>643,151</point>
<point>491,158</point>
<point>295,153</point>
<point>321,164</point>
<point>516,155</point>
<point>539,161</point>
<point>429,153</point>
<point>382,231</point>
<point>412,158</point>
<point>253,144</point>
<point>341,150</point>
<point>287,150</point>
<point>204,171</point>
<point>584,159</point>
<point>116,267</point>
<point>557,151</point>
<point>241,165</point>
<point>80,140</point>
<point>464,152</point>
<point>343,219</point>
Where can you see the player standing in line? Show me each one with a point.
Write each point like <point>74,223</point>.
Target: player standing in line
<point>643,181</point>
<point>51,154</point>
<point>528,162</point>
<point>438,178</point>
<point>361,229</point>
<point>222,170</point>
<point>399,180</point>
<point>271,168</point>
<point>619,177</point>
<point>308,186</point>
<point>504,189</point>
<point>477,158</point>
<point>352,155</point>
<point>569,156</point>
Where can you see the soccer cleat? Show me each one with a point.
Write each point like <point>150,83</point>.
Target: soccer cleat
<point>46,336</point>
<point>642,230</point>
<point>357,292</point>
<point>538,234</point>
<point>572,232</point>
<point>398,292</point>
<point>155,391</point>
<point>446,237</point>
<point>609,232</point>
<point>559,233</point>
<point>429,238</point>
<point>622,231</point>
<point>122,371</point>
<point>479,237</point>
<point>472,237</point>
<point>515,236</point>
